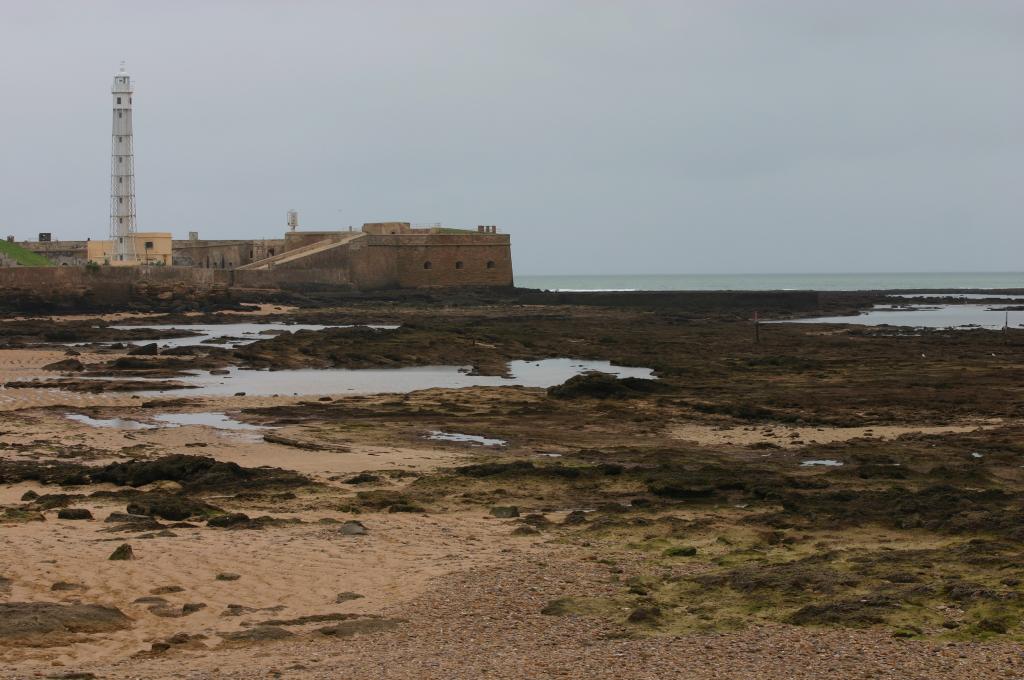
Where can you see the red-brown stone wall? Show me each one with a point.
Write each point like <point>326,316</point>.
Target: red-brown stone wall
<point>444,252</point>
<point>376,262</point>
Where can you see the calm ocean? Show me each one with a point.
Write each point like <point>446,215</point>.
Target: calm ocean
<point>905,281</point>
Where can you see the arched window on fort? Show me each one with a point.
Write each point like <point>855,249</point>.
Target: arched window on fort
<point>459,265</point>
<point>490,264</point>
<point>427,265</point>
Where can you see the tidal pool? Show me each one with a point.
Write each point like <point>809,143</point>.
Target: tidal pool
<point>118,423</point>
<point>962,317</point>
<point>307,381</point>
<point>825,463</point>
<point>468,438</point>
<point>228,334</point>
<point>219,421</point>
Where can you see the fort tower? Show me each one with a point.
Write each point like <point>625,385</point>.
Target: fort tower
<point>122,172</point>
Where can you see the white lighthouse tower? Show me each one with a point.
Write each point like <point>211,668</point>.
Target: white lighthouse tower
<point>122,172</point>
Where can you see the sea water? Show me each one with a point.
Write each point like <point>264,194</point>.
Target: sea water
<point>838,281</point>
<point>960,316</point>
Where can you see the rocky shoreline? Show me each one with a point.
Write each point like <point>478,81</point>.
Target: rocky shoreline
<point>813,493</point>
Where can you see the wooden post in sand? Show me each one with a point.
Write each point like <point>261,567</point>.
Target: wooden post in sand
<point>757,330</point>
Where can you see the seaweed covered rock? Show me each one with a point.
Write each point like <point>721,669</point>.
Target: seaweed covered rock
<point>595,385</point>
<point>169,506</point>
<point>65,365</point>
<point>48,472</point>
<point>228,520</point>
<point>195,473</point>
<point>148,350</point>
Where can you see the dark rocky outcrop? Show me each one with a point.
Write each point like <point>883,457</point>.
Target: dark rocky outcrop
<point>65,365</point>
<point>174,507</point>
<point>48,623</point>
<point>195,473</point>
<point>74,513</point>
<point>596,385</point>
<point>148,350</point>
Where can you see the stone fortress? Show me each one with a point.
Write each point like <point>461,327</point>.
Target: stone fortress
<point>381,255</point>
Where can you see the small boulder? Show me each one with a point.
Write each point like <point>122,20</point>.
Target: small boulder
<point>536,520</point>
<point>644,615</point>
<point>992,626</point>
<point>352,528</point>
<point>347,596</point>
<point>123,552</point>
<point>363,478</point>
<point>229,520</point>
<point>150,350</point>
<point>525,531</point>
<point>228,576</point>
<point>685,551</point>
<point>149,599</point>
<point>575,517</point>
<point>406,507</point>
<point>257,634</point>
<point>74,513</point>
<point>65,365</point>
<point>29,495</point>
<point>359,626</point>
<point>505,511</point>
<point>62,586</point>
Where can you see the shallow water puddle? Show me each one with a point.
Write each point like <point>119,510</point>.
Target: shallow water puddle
<point>228,334</point>
<point>117,423</point>
<point>962,317</point>
<point>469,438</point>
<point>825,462</point>
<point>309,381</point>
<point>218,421</point>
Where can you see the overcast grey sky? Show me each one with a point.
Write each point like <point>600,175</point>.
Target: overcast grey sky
<point>606,137</point>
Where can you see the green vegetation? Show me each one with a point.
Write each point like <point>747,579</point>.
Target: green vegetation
<point>453,230</point>
<point>23,256</point>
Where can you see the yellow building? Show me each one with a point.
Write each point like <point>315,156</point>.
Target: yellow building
<point>151,247</point>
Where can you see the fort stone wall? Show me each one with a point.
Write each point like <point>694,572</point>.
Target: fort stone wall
<point>223,254</point>
<point>376,262</point>
<point>41,288</point>
<point>450,260</point>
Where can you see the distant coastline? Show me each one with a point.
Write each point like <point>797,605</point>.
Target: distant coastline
<point>952,281</point>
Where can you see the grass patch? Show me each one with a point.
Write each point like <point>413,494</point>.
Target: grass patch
<point>23,256</point>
